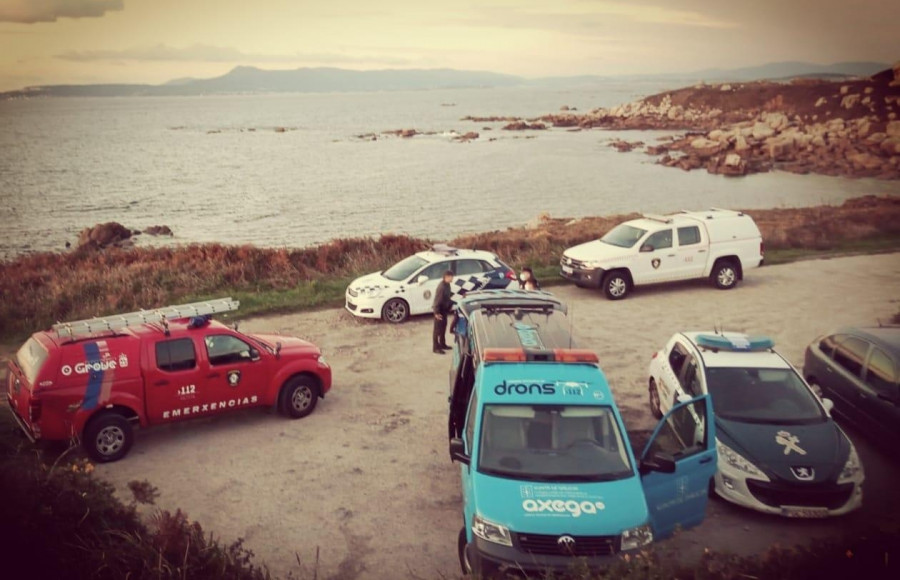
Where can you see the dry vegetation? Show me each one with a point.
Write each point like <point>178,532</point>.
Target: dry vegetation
<point>39,289</point>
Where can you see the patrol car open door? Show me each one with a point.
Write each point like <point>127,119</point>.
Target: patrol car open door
<point>677,466</point>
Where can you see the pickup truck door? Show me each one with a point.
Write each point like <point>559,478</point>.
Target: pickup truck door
<point>686,439</point>
<point>236,372</point>
<point>656,260</point>
<point>172,375</point>
<point>691,253</point>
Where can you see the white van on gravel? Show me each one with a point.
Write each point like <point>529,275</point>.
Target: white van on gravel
<point>718,244</point>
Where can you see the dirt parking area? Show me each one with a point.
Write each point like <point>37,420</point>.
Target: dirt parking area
<point>366,479</point>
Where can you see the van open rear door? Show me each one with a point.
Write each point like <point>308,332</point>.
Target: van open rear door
<point>677,466</point>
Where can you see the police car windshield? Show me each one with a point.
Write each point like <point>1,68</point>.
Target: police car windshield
<point>754,395</point>
<point>552,443</point>
<point>623,236</point>
<point>404,268</point>
<point>30,359</point>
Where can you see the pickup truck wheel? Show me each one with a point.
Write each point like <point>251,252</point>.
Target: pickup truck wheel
<point>615,285</point>
<point>395,311</point>
<point>299,397</point>
<point>725,275</point>
<point>654,400</point>
<point>108,437</point>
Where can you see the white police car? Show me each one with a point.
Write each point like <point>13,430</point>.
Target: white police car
<point>779,449</point>
<point>407,288</point>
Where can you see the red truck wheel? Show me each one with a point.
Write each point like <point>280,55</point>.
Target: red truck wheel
<point>108,437</point>
<point>299,397</point>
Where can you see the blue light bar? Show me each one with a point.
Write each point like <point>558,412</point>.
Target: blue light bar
<point>740,343</point>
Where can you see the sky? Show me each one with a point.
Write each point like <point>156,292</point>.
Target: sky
<point>154,41</point>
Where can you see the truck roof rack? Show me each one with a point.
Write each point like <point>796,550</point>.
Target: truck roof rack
<point>658,218</point>
<point>163,315</point>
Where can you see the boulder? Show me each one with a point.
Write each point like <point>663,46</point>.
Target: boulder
<point>777,121</point>
<point>724,88</point>
<point>675,112</point>
<point>470,136</point>
<point>704,147</point>
<point>158,231</point>
<point>850,101</point>
<point>865,160</point>
<point>891,146</point>
<point>821,101</point>
<point>103,235</point>
<point>893,129</point>
<point>845,89</point>
<point>740,143</point>
<point>779,147</point>
<point>761,131</point>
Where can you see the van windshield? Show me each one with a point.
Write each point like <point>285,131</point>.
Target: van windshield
<point>623,236</point>
<point>404,268</point>
<point>553,443</point>
<point>30,359</point>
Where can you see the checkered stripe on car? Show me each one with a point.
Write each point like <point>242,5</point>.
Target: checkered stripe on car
<point>461,286</point>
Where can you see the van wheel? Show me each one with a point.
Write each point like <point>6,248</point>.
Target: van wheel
<point>461,545</point>
<point>654,400</point>
<point>725,275</point>
<point>615,285</point>
<point>395,311</point>
<point>299,397</point>
<point>108,437</point>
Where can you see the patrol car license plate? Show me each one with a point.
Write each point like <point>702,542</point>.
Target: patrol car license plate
<point>567,270</point>
<point>804,512</point>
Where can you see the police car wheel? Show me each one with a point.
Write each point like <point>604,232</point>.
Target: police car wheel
<point>615,286</point>
<point>395,311</point>
<point>299,397</point>
<point>654,400</point>
<point>108,437</point>
<point>725,275</point>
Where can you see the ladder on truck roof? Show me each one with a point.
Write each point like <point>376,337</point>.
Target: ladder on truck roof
<point>164,314</point>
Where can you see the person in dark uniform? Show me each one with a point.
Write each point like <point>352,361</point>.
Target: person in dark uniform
<point>442,306</point>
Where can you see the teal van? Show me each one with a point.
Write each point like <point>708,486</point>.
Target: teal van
<point>547,470</point>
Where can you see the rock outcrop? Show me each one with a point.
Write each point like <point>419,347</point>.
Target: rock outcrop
<point>103,235</point>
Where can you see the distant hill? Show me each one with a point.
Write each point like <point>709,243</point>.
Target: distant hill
<point>248,79</point>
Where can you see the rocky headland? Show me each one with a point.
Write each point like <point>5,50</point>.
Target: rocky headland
<point>848,128</point>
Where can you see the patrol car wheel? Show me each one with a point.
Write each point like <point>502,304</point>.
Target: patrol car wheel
<point>395,311</point>
<point>654,400</point>
<point>299,397</point>
<point>615,286</point>
<point>725,275</point>
<point>108,437</point>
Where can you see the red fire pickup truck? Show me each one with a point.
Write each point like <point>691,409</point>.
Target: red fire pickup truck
<point>93,380</point>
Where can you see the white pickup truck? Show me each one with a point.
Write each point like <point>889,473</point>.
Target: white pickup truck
<point>719,244</point>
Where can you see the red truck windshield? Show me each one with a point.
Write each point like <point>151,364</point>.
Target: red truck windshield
<point>30,359</point>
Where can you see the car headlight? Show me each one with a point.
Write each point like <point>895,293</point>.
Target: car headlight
<point>852,467</point>
<point>738,461</point>
<point>593,264</point>
<point>370,292</point>
<point>322,360</point>
<point>636,537</point>
<point>491,532</point>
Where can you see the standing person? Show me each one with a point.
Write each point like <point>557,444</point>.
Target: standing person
<point>442,306</point>
<point>527,281</point>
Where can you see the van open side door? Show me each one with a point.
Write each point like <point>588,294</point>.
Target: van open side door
<point>459,397</point>
<point>677,466</point>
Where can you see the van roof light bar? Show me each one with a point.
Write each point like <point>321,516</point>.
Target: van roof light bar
<point>161,315</point>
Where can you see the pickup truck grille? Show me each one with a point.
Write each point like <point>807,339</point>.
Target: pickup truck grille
<point>583,546</point>
<point>567,261</point>
<point>352,292</point>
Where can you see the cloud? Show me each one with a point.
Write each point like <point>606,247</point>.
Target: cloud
<point>31,11</point>
<point>207,53</point>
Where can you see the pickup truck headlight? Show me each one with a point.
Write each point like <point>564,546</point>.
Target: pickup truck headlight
<point>738,461</point>
<point>851,468</point>
<point>491,532</point>
<point>593,264</point>
<point>636,537</point>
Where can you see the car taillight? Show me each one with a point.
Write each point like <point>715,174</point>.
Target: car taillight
<point>510,274</point>
<point>34,410</point>
<point>762,249</point>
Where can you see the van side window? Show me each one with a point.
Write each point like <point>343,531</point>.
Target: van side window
<point>175,355</point>
<point>224,349</point>
<point>850,353</point>
<point>881,374</point>
<point>470,422</point>
<point>688,236</point>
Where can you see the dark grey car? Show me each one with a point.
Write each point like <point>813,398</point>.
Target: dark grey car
<point>857,368</point>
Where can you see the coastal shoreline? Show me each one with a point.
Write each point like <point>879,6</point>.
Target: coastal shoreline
<point>41,289</point>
